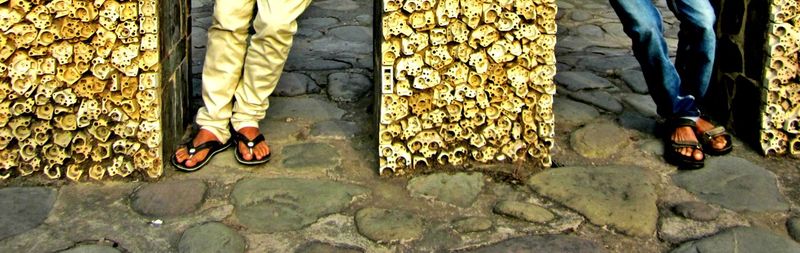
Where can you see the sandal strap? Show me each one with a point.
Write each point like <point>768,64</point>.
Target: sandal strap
<point>717,131</point>
<point>686,144</point>
<point>250,143</point>
<point>192,150</point>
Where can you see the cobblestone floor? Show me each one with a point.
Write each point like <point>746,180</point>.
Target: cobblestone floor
<point>321,192</point>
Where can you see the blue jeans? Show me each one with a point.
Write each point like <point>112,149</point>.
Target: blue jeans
<point>675,88</point>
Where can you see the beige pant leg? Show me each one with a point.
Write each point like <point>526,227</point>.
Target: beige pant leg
<point>222,72</point>
<point>275,27</point>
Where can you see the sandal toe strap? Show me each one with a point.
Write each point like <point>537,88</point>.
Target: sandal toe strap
<point>192,150</point>
<point>686,144</point>
<point>717,131</point>
<point>248,142</point>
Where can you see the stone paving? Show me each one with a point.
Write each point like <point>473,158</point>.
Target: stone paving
<point>321,192</point>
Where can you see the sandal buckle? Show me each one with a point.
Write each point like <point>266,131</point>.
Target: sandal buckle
<point>251,144</point>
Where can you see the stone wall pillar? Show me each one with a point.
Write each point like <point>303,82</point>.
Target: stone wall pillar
<point>460,82</point>
<point>755,87</point>
<point>91,89</point>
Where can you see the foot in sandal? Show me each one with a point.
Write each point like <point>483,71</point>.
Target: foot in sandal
<point>683,149</point>
<point>251,147</point>
<point>715,139</point>
<point>196,153</point>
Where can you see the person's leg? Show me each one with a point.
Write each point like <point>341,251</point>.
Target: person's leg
<point>227,41</point>
<point>275,27</point>
<point>696,45</point>
<point>642,22</point>
<point>696,51</point>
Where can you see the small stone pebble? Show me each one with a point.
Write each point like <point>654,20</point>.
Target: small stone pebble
<point>472,224</point>
<point>696,210</point>
<point>793,225</point>
<point>523,211</point>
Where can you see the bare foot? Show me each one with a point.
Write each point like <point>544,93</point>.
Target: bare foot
<point>686,134</point>
<point>260,150</point>
<point>182,154</point>
<point>718,142</point>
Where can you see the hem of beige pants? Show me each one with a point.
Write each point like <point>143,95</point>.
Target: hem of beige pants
<point>221,136</point>
<point>239,125</point>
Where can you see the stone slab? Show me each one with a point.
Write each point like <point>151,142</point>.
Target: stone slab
<point>599,140</point>
<point>310,155</point>
<point>643,104</point>
<point>303,107</point>
<point>696,210</point>
<point>623,197</point>
<point>212,237</point>
<point>599,98</point>
<point>24,208</point>
<point>635,80</point>
<point>472,224</point>
<point>460,189</point>
<point>546,243</point>
<point>675,229</point>
<point>335,129</point>
<point>793,226</point>
<point>580,80</point>
<point>169,198</point>
<point>387,226</point>
<point>294,84</point>
<point>287,204</point>
<point>523,211</point>
<point>741,239</point>
<point>320,247</point>
<point>348,87</point>
<point>611,64</point>
<point>92,249</point>
<point>734,183</point>
<point>570,113</point>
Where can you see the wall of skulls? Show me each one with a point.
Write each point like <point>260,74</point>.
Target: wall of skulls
<point>780,132</point>
<point>758,73</point>
<point>466,80</point>
<point>80,88</point>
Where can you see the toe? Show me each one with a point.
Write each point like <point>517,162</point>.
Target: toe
<point>698,155</point>
<point>720,143</point>
<point>190,163</point>
<point>181,155</point>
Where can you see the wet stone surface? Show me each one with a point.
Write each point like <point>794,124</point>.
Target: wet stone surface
<point>286,204</point>
<point>92,249</point>
<point>310,155</point>
<point>211,237</point>
<point>24,208</point>
<point>321,193</point>
<point>793,226</point>
<point>696,210</point>
<point>460,189</point>
<point>319,247</point>
<point>734,183</point>
<point>741,239</point>
<point>619,196</point>
<point>523,211</point>
<point>599,140</point>
<point>570,113</point>
<point>548,243</point>
<point>472,224</point>
<point>387,226</point>
<point>169,198</point>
